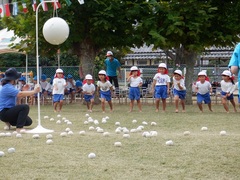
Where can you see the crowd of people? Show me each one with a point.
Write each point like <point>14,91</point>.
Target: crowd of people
<point>14,87</point>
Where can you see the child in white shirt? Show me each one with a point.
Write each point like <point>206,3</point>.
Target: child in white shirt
<point>88,92</point>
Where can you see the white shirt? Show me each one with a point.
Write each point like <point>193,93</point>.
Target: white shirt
<point>60,83</point>
<point>104,86</point>
<point>45,85</point>
<point>71,84</point>
<point>227,87</point>
<point>203,88</point>
<point>88,88</point>
<point>134,82</point>
<point>182,84</point>
<point>161,79</point>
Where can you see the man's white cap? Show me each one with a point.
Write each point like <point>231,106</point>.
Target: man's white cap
<point>202,73</point>
<point>227,73</point>
<point>178,72</point>
<point>59,71</point>
<point>163,65</point>
<point>134,68</point>
<point>109,53</point>
<point>88,76</point>
<point>102,72</point>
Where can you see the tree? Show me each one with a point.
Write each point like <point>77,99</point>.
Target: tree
<point>190,26</point>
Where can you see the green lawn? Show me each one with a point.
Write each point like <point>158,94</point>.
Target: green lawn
<point>200,155</point>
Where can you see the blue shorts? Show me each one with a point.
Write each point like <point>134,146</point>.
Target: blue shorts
<point>57,97</point>
<point>106,95</point>
<point>229,97</point>
<point>88,98</point>
<point>134,93</point>
<point>181,94</point>
<point>161,92</point>
<point>203,97</point>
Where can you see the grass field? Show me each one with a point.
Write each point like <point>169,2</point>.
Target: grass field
<point>200,155</point>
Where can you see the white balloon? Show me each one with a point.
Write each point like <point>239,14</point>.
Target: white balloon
<point>56,31</point>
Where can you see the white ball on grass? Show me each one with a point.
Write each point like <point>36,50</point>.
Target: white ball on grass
<point>223,133</point>
<point>134,121</point>
<point>6,128</point>
<point>67,129</point>
<point>118,144</point>
<point>59,115</point>
<point>86,115</point>
<point>107,117</point>
<point>91,128</point>
<point>169,143</point>
<point>96,122</point>
<point>66,120</point>
<point>49,141</point>
<point>126,135</point>
<point>153,123</point>
<point>45,117</point>
<point>63,134</point>
<point>92,156</point>
<point>133,130</point>
<point>69,123</point>
<point>36,136</point>
<point>58,122</point>
<point>104,121</point>
<point>204,129</point>
<point>125,131</point>
<point>100,130</point>
<point>63,118</point>
<point>2,134</point>
<point>186,133</point>
<point>117,123</point>
<point>85,122</point>
<point>70,133</point>
<point>144,123</point>
<point>153,133</point>
<point>2,153</point>
<point>14,132</point>
<point>49,136</point>
<point>118,131</point>
<point>18,135</point>
<point>51,119</point>
<point>8,134</point>
<point>11,150</point>
<point>82,133</point>
<point>106,134</point>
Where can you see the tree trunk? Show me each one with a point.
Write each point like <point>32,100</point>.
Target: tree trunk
<point>190,58</point>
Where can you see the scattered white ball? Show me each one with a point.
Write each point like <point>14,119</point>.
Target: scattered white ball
<point>126,135</point>
<point>106,134</point>
<point>169,143</point>
<point>144,123</point>
<point>125,131</point>
<point>45,117</point>
<point>8,134</point>
<point>58,122</point>
<point>14,132</point>
<point>118,131</point>
<point>104,121</point>
<point>86,115</point>
<point>7,128</point>
<point>66,120</point>
<point>100,130</point>
<point>223,133</point>
<point>82,133</point>
<point>59,115</point>
<point>67,129</point>
<point>2,153</point>
<point>49,136</point>
<point>117,123</point>
<point>153,133</point>
<point>153,123</point>
<point>91,155</point>
<point>118,144</point>
<point>2,134</point>
<point>134,121</point>
<point>70,133</point>
<point>204,129</point>
<point>85,122</point>
<point>51,119</point>
<point>146,134</point>
<point>11,150</point>
<point>107,117</point>
<point>186,133</point>
<point>36,136</point>
<point>63,134</point>
<point>96,122</point>
<point>63,118</point>
<point>133,130</point>
<point>69,123</point>
<point>49,141</point>
<point>91,128</point>
<point>18,135</point>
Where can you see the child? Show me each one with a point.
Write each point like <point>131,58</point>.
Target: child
<point>59,84</point>
<point>106,89</point>
<point>46,87</point>
<point>134,91</point>
<point>71,87</point>
<point>161,86</point>
<point>203,89</point>
<point>227,86</point>
<point>88,91</point>
<point>179,89</point>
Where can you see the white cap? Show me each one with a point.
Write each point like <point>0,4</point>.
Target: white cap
<point>59,71</point>
<point>227,73</point>
<point>202,73</point>
<point>88,76</point>
<point>134,68</point>
<point>102,72</point>
<point>109,53</point>
<point>178,72</point>
<point>163,65</point>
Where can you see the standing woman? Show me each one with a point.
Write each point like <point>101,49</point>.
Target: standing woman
<point>10,113</point>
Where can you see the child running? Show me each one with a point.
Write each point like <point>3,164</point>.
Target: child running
<point>227,87</point>
<point>179,90</point>
<point>88,92</point>
<point>59,84</point>
<point>105,88</point>
<point>134,91</point>
<point>203,89</point>
<point>161,86</point>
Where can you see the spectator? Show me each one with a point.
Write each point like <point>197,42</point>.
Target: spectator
<point>71,87</point>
